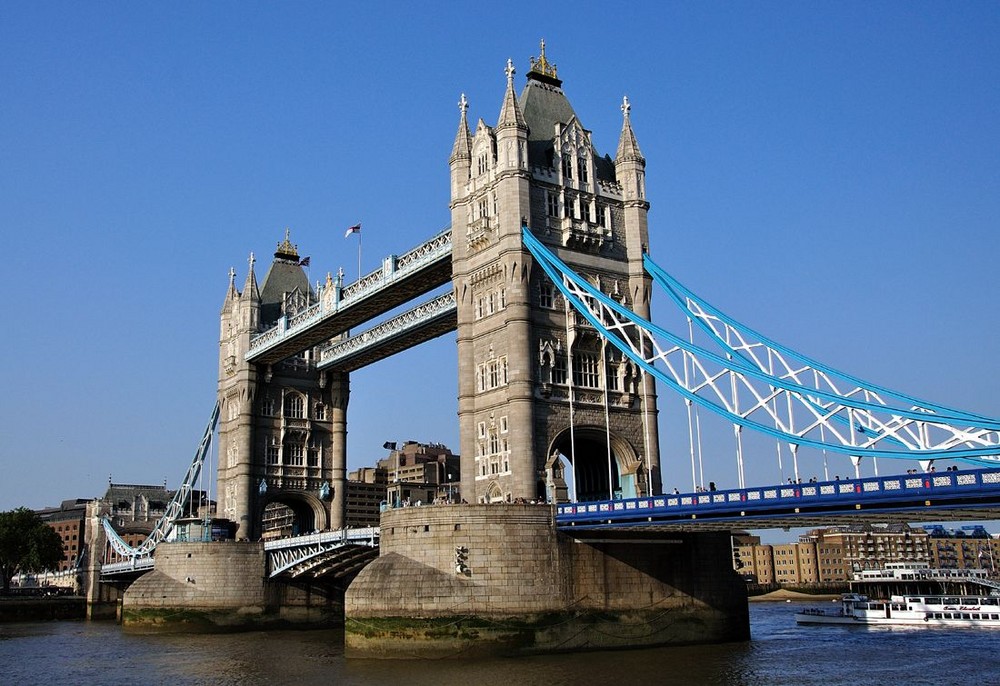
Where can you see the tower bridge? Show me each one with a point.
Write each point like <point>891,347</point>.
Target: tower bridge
<point>558,367</point>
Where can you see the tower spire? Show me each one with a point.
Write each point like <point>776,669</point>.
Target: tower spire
<point>543,70</point>
<point>250,287</point>
<point>462,149</point>
<point>510,112</point>
<point>628,147</point>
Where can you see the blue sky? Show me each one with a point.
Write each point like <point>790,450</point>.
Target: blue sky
<point>827,174</point>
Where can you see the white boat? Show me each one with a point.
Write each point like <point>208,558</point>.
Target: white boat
<point>908,610</point>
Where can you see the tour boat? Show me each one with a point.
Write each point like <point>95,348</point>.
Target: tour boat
<point>908,610</point>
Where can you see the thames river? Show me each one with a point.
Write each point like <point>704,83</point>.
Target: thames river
<point>779,653</point>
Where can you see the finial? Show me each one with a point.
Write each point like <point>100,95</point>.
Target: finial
<point>463,104</point>
<point>251,260</point>
<point>542,65</point>
<point>286,249</point>
<point>626,106</point>
<point>232,277</point>
<point>510,72</point>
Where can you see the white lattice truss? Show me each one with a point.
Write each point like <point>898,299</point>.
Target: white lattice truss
<point>175,508</point>
<point>344,551</point>
<point>756,383</point>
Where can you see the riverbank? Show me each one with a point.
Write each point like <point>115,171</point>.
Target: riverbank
<point>42,609</point>
<point>785,594</point>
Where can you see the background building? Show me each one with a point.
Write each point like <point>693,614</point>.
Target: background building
<point>69,520</point>
<point>835,554</point>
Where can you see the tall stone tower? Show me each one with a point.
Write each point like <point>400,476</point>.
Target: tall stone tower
<point>282,428</point>
<point>537,386</point>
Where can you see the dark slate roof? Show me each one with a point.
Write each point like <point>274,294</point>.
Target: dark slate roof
<point>118,492</point>
<point>544,103</point>
<point>283,276</point>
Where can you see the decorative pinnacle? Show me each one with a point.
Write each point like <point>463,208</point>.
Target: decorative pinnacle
<point>542,65</point>
<point>463,104</point>
<point>626,106</point>
<point>251,260</point>
<point>232,276</point>
<point>285,248</point>
<point>510,72</point>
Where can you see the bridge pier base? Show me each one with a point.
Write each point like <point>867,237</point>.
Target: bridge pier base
<point>221,586</point>
<point>499,579</point>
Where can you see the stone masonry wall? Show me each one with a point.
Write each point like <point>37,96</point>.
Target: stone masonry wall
<point>507,564</point>
<point>499,579</point>
<point>205,575</point>
<point>222,585</point>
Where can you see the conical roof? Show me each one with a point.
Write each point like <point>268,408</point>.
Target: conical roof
<point>285,275</point>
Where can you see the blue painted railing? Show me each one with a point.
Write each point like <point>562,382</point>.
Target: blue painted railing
<point>937,488</point>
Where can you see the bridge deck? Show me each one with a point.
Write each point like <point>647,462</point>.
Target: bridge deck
<point>947,496</point>
<point>411,328</point>
<point>399,280</point>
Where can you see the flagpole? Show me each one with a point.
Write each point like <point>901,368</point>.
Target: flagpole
<point>359,253</point>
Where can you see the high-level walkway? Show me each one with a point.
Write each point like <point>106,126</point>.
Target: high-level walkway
<point>399,280</point>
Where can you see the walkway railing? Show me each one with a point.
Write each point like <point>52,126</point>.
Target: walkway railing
<point>942,489</point>
<point>405,324</point>
<point>335,298</point>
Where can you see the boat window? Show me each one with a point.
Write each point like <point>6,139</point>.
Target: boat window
<point>994,616</point>
<point>991,601</point>
<point>932,601</point>
<point>951,601</point>
<point>965,615</point>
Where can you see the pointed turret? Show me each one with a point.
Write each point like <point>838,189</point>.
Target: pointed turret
<point>462,149</point>
<point>461,152</point>
<point>232,295</point>
<point>250,289</point>
<point>628,147</point>
<point>510,112</point>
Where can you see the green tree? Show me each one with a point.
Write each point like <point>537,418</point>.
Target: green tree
<point>27,544</point>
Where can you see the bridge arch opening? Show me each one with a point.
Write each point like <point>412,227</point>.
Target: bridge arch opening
<point>291,514</point>
<point>591,475</point>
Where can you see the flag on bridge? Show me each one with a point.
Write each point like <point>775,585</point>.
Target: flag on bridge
<point>304,262</point>
<point>354,229</point>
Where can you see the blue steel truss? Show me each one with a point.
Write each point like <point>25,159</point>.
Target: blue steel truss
<point>174,509</point>
<point>756,383</point>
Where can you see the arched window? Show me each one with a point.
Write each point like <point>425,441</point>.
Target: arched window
<point>293,406</point>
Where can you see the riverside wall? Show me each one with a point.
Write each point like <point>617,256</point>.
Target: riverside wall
<point>456,580</point>
<point>221,586</point>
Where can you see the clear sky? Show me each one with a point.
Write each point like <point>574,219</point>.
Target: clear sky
<point>828,174</point>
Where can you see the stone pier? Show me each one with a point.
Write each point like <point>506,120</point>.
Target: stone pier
<point>221,586</point>
<point>457,580</point>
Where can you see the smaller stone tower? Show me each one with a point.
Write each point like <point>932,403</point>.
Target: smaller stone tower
<point>282,428</point>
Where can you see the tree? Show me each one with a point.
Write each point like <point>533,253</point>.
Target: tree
<point>27,544</point>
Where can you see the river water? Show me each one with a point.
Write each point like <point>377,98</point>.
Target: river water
<point>779,653</point>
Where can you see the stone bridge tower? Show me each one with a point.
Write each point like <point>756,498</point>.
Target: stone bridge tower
<point>282,427</point>
<point>538,389</point>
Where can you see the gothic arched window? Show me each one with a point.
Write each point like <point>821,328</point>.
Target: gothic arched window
<point>293,406</point>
